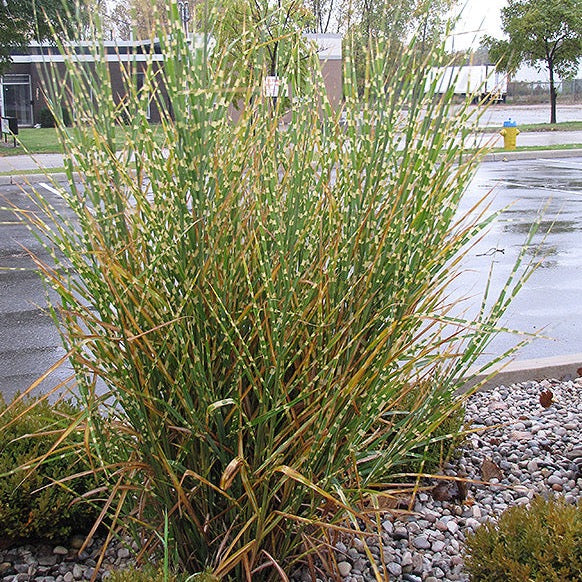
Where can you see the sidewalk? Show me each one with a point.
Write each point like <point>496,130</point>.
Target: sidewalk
<point>24,162</point>
<point>532,138</point>
<point>12,166</point>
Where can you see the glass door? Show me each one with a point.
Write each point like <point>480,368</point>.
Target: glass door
<point>17,98</point>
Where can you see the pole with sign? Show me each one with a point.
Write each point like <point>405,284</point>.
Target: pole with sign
<point>9,126</point>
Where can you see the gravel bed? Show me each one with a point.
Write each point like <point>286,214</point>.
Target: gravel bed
<point>524,450</point>
<point>49,563</point>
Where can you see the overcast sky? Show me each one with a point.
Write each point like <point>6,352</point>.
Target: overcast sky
<point>482,16</point>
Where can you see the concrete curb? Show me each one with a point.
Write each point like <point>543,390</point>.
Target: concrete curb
<point>22,179</point>
<point>531,155</point>
<point>555,367</point>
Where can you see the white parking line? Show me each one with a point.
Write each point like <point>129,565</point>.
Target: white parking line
<point>561,162</point>
<point>50,189</point>
<point>537,187</point>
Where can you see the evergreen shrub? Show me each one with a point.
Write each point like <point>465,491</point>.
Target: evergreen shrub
<point>47,119</point>
<point>33,506</point>
<point>540,543</point>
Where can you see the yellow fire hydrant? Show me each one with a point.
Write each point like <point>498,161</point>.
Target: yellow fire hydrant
<point>509,133</point>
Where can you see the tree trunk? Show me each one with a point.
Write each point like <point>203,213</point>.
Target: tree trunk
<point>553,94</point>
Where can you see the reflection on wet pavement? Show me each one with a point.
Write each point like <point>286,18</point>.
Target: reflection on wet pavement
<point>547,193</point>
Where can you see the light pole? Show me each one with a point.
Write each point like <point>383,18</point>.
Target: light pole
<point>184,11</point>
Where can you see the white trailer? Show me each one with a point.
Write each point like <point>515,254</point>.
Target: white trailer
<point>477,82</point>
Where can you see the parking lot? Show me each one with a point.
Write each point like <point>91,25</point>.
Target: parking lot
<point>550,301</point>
<point>496,114</point>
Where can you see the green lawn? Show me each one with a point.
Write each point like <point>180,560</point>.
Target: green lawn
<point>564,126</point>
<point>46,171</point>
<point>38,141</point>
<point>44,141</point>
<point>564,146</point>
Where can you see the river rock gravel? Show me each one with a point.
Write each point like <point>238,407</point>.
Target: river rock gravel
<point>64,563</point>
<point>520,448</point>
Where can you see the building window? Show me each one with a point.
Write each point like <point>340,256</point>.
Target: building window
<point>16,98</point>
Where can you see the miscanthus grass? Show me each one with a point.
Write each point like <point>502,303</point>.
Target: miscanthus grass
<point>255,300</point>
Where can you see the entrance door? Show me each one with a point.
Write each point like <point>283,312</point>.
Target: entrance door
<point>17,98</point>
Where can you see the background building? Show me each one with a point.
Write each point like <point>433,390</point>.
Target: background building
<point>22,88</point>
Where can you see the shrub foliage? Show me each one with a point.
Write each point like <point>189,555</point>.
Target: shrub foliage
<point>31,505</point>
<point>256,308</point>
<point>150,574</point>
<point>46,118</point>
<point>538,543</point>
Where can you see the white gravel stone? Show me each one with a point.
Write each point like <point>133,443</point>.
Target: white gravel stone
<point>438,546</point>
<point>400,533</point>
<point>421,543</point>
<point>78,572</point>
<point>60,551</point>
<point>344,568</point>
<point>406,559</point>
<point>123,553</point>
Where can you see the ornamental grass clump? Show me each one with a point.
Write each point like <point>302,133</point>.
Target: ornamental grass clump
<point>255,300</point>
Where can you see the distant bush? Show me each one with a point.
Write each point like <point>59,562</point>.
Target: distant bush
<point>47,119</point>
<point>30,507</point>
<point>541,543</point>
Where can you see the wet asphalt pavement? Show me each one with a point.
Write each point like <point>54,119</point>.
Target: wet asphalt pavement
<point>550,301</point>
<point>497,113</point>
<point>548,191</point>
<point>29,341</point>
